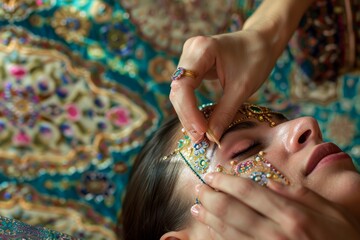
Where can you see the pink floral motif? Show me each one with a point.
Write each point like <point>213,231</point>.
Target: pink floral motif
<point>73,113</point>
<point>119,116</point>
<point>18,71</point>
<point>39,2</point>
<point>21,139</point>
<point>61,110</point>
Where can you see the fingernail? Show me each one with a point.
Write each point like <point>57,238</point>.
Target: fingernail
<point>195,136</point>
<point>209,177</point>
<point>195,209</point>
<point>197,188</point>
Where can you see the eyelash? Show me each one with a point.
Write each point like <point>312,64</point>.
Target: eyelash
<point>241,153</point>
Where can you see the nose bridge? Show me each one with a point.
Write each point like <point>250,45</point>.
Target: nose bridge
<point>302,131</point>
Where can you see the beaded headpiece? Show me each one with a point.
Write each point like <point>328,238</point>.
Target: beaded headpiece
<point>195,155</point>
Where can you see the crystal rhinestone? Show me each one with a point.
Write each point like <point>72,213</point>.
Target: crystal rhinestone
<point>178,73</point>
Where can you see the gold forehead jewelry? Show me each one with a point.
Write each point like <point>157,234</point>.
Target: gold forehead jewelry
<point>195,155</point>
<point>262,114</point>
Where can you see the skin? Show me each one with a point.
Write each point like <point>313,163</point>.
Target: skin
<point>234,59</point>
<point>327,197</point>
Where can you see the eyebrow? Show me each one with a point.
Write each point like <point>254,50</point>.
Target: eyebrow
<point>246,125</point>
<point>240,126</point>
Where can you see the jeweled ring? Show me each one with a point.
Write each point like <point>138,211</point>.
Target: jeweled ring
<point>182,72</point>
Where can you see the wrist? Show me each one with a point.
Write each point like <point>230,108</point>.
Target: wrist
<point>276,21</point>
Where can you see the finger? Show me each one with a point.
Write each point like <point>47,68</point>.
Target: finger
<point>241,88</point>
<point>226,109</point>
<point>233,214</point>
<point>197,56</point>
<point>226,207</point>
<point>220,228</point>
<point>214,235</point>
<point>271,204</point>
<point>305,196</point>
<point>184,102</point>
<point>259,198</point>
<point>195,135</point>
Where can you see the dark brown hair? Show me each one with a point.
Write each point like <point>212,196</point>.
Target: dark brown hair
<point>151,206</point>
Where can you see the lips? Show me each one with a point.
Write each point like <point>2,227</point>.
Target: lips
<point>319,153</point>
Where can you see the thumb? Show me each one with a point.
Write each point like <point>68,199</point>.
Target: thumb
<point>224,113</point>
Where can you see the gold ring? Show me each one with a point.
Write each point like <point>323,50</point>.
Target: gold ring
<point>182,72</point>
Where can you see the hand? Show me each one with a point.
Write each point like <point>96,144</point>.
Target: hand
<point>241,209</point>
<point>241,61</point>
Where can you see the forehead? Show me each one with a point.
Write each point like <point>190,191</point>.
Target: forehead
<point>248,111</point>
<point>248,116</point>
<point>269,118</point>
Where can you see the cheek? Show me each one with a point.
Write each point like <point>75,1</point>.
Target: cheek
<point>341,187</point>
<point>281,134</point>
<point>279,159</point>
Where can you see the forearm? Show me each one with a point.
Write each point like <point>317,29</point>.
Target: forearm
<point>277,20</point>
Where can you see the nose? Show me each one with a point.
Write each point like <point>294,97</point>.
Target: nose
<point>301,132</point>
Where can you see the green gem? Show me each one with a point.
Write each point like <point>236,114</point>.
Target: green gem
<point>256,109</point>
<point>181,143</point>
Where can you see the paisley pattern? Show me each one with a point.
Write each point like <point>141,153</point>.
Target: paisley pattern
<point>12,229</point>
<point>84,83</point>
<point>166,24</point>
<point>55,112</point>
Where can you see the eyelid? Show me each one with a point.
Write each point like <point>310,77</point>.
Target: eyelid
<point>245,151</point>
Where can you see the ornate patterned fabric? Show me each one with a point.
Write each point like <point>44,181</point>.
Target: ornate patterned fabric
<point>13,229</point>
<point>324,45</point>
<point>84,83</point>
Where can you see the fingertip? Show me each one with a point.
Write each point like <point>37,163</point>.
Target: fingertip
<point>209,177</point>
<point>214,132</point>
<point>195,136</point>
<point>198,127</point>
<point>196,132</point>
<point>211,136</point>
<point>275,186</point>
<point>195,210</point>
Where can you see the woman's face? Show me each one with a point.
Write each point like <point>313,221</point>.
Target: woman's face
<point>296,149</point>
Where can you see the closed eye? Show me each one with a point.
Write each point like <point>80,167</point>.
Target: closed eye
<point>246,152</point>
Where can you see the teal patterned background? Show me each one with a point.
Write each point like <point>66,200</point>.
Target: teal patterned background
<point>84,83</point>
